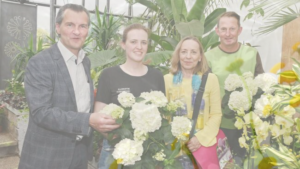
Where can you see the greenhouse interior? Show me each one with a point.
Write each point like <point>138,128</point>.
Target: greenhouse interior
<point>150,84</point>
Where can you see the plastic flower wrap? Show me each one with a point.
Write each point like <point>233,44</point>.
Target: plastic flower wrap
<point>126,99</point>
<point>113,110</point>
<point>127,152</point>
<point>155,97</point>
<point>145,117</point>
<point>181,127</point>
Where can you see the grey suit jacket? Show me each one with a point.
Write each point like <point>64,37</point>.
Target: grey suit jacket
<point>53,121</point>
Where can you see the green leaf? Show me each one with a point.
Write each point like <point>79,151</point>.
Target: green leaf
<point>245,3</point>
<point>197,11</point>
<point>248,16</point>
<point>209,40</point>
<point>148,4</point>
<point>178,10</point>
<point>192,28</point>
<point>102,58</point>
<point>212,19</point>
<point>157,58</point>
<point>255,159</point>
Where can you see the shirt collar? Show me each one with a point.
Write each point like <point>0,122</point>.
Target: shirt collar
<point>68,55</point>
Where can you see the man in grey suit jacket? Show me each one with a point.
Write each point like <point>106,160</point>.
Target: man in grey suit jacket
<point>59,91</point>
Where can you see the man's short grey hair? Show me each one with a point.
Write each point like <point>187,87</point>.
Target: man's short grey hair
<point>73,7</point>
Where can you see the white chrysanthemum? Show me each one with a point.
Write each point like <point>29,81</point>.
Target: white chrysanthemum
<point>256,120</point>
<point>239,123</point>
<point>145,118</point>
<point>155,97</point>
<point>243,143</point>
<point>263,107</point>
<point>113,110</point>
<point>159,156</point>
<point>126,99</point>
<point>172,106</point>
<point>140,135</point>
<point>181,127</point>
<point>286,122</point>
<point>238,100</point>
<point>232,82</point>
<point>265,81</point>
<point>248,75</point>
<point>127,152</point>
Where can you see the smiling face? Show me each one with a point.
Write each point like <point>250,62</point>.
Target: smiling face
<point>228,30</point>
<point>73,30</point>
<point>189,55</point>
<point>136,45</point>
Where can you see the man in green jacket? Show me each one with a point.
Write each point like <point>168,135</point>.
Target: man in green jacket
<point>229,29</point>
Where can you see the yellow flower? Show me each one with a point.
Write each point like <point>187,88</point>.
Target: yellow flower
<point>288,76</point>
<point>277,67</point>
<point>296,47</point>
<point>267,109</point>
<point>295,101</point>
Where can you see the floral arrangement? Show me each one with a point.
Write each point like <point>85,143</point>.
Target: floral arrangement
<point>265,109</point>
<point>150,135</point>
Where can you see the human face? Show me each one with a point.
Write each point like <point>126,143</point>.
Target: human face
<point>136,45</point>
<point>73,30</point>
<point>189,55</point>
<point>228,31</point>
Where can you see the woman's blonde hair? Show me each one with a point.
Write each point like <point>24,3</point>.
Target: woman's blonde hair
<point>202,66</point>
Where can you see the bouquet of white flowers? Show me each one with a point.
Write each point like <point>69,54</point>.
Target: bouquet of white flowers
<point>150,134</point>
<point>263,109</point>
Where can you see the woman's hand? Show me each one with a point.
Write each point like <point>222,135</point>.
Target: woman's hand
<point>193,144</point>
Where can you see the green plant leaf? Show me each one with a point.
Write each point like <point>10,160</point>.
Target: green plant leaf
<point>192,28</point>
<point>197,11</point>
<point>179,10</point>
<point>159,57</point>
<point>102,58</point>
<point>209,40</point>
<point>212,19</point>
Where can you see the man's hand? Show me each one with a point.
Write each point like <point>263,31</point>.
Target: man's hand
<point>193,144</point>
<point>102,122</point>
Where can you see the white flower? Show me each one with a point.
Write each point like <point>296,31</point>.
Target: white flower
<point>113,110</point>
<point>286,122</point>
<point>265,81</point>
<point>232,82</point>
<point>248,75</point>
<point>288,111</point>
<point>275,130</point>
<point>155,97</point>
<point>252,116</point>
<point>126,99</point>
<point>140,135</point>
<point>243,143</point>
<point>239,123</point>
<point>127,152</point>
<point>263,106</point>
<point>252,86</point>
<point>160,156</point>
<point>287,139</point>
<point>145,118</point>
<point>238,100</point>
<point>181,127</point>
<point>262,131</point>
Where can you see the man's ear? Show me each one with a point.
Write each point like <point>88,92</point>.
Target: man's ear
<point>217,30</point>
<point>57,28</point>
<point>240,30</point>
